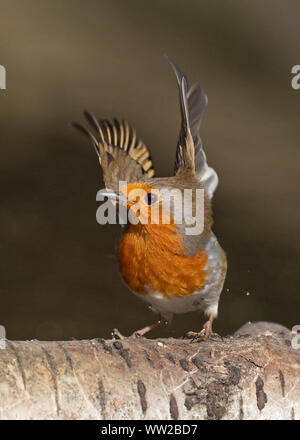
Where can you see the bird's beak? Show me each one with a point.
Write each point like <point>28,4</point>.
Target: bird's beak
<point>115,196</point>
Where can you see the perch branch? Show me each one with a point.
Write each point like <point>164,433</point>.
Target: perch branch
<point>254,374</point>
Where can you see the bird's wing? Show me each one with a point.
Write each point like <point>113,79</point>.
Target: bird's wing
<point>192,104</point>
<point>121,154</point>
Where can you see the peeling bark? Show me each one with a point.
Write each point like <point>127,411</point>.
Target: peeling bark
<point>253,374</point>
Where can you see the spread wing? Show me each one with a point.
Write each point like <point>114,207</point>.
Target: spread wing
<point>121,154</point>
<point>192,103</point>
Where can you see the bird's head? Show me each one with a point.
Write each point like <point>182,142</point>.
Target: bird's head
<point>161,201</point>
<point>143,202</point>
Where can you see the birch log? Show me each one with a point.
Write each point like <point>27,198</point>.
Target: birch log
<point>254,374</point>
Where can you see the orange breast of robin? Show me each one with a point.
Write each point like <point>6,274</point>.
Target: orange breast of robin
<point>154,256</point>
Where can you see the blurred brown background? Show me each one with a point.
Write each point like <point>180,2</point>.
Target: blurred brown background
<point>58,271</point>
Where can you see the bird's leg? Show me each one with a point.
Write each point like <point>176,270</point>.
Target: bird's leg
<point>205,333</point>
<point>147,329</point>
<point>142,331</point>
<point>207,330</point>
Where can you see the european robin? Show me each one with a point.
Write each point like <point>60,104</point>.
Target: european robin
<point>162,262</point>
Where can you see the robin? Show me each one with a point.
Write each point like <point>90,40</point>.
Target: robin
<point>172,270</point>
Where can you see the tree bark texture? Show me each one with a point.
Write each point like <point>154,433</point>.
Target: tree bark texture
<point>254,374</point>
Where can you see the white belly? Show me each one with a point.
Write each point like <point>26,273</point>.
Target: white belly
<point>201,300</point>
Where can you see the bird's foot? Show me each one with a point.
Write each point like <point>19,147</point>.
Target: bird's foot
<point>201,336</point>
<point>116,334</point>
<point>138,333</point>
<point>205,334</point>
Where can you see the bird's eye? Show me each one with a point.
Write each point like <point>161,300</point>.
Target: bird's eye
<point>151,198</point>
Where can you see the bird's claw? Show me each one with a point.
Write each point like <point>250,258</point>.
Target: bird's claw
<point>136,335</point>
<point>203,335</point>
<point>116,334</point>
